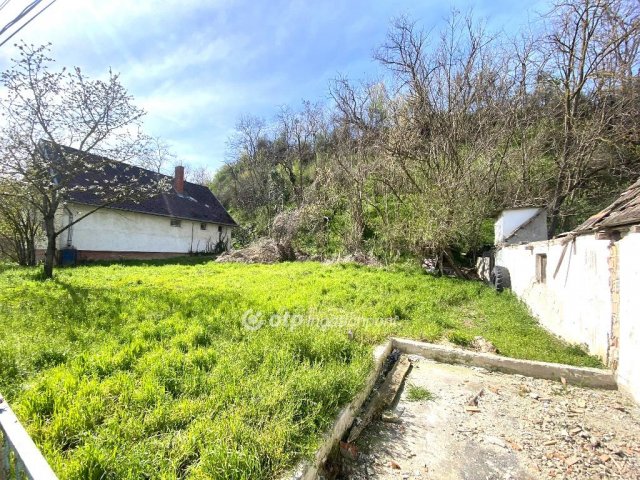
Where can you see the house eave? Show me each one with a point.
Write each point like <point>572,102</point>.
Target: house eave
<point>192,219</point>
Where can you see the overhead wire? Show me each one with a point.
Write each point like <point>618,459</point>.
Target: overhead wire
<point>22,15</point>
<point>25,11</point>
<point>4,4</point>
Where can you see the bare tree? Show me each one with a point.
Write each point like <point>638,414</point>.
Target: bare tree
<point>252,163</point>
<point>296,134</point>
<point>200,175</point>
<point>443,132</point>
<point>160,158</point>
<point>593,49</point>
<point>59,125</point>
<point>158,155</point>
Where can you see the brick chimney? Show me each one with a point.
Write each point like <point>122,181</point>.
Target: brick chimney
<point>178,179</point>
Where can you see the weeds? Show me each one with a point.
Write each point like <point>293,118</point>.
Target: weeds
<point>419,394</point>
<point>146,370</point>
<point>460,338</point>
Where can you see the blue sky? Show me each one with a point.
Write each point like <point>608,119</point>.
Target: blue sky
<point>196,65</point>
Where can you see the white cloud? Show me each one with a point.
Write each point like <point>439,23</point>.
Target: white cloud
<point>178,107</point>
<point>196,65</point>
<point>98,26</point>
<point>184,55</point>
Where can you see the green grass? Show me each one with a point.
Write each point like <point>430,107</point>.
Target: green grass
<point>146,371</point>
<point>416,393</point>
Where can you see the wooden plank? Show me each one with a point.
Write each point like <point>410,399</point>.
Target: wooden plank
<point>383,397</point>
<point>34,464</point>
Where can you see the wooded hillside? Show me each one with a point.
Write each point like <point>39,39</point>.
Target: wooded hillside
<point>466,122</point>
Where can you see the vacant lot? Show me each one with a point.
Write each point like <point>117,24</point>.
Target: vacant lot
<point>150,372</point>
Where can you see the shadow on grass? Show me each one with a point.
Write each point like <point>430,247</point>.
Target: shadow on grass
<point>183,260</point>
<point>37,273</point>
<point>4,266</point>
<point>65,320</point>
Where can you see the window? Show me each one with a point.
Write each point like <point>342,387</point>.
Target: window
<point>176,223</point>
<point>220,229</point>
<point>541,268</point>
<point>203,226</point>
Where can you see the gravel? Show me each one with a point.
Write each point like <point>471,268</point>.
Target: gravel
<point>484,425</point>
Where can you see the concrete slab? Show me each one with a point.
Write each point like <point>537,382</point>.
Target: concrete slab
<point>581,376</point>
<point>524,428</point>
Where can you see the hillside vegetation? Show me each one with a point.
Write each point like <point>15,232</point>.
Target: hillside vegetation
<point>147,371</point>
<point>463,121</point>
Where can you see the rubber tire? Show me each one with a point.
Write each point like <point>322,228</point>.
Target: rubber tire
<point>500,278</point>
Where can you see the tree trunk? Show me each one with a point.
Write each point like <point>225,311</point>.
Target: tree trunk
<point>554,222</point>
<point>49,257</point>
<point>20,251</point>
<point>357,217</point>
<point>31,250</point>
<point>50,254</point>
<point>555,214</point>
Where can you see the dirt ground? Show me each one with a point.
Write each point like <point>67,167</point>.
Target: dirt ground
<point>521,428</point>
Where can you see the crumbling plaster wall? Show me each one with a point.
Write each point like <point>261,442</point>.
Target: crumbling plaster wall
<point>628,372</point>
<point>579,302</point>
<point>570,304</point>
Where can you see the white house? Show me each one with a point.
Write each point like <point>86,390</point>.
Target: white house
<point>186,219</point>
<point>583,285</point>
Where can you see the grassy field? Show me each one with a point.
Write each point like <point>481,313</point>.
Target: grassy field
<point>150,372</point>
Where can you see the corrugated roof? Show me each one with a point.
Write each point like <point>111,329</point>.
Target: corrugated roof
<point>624,211</point>
<point>197,202</point>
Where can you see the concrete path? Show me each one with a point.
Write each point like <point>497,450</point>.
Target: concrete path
<point>521,428</point>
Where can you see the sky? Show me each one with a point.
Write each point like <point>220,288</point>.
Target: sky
<point>196,66</point>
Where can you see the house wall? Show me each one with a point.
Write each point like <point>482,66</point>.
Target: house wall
<point>110,230</point>
<point>569,304</point>
<point>510,220</point>
<point>629,314</point>
<point>577,303</point>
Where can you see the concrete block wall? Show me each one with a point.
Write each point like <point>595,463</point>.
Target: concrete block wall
<point>521,225</point>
